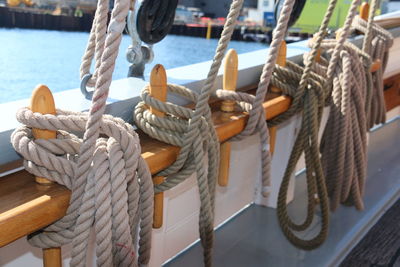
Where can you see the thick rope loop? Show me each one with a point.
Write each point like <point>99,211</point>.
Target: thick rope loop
<point>310,100</point>
<point>253,105</point>
<point>377,42</point>
<point>343,143</point>
<point>111,185</point>
<point>172,129</point>
<point>119,189</point>
<point>194,132</point>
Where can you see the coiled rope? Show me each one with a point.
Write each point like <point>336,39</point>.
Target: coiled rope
<point>311,91</point>
<point>343,144</point>
<point>309,101</point>
<point>253,104</point>
<point>377,42</point>
<point>194,132</point>
<point>111,185</point>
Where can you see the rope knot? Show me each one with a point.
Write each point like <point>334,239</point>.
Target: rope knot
<point>113,195</point>
<point>182,127</point>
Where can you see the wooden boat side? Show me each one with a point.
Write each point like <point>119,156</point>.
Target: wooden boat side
<point>27,206</point>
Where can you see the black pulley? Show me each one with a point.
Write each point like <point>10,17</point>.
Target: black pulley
<point>155,19</point>
<point>296,12</point>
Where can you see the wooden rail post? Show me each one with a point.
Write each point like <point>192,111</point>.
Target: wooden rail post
<point>229,83</point>
<point>158,90</point>
<point>42,101</point>
<point>209,29</point>
<point>281,61</point>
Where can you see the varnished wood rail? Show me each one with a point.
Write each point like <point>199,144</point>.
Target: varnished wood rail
<point>26,206</point>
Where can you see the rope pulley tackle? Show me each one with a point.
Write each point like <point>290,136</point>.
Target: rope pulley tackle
<point>294,16</point>
<point>148,23</point>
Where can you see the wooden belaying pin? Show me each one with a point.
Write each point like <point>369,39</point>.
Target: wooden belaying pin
<point>318,55</point>
<point>158,90</point>
<point>42,101</point>
<point>229,83</point>
<point>281,61</point>
<point>364,13</point>
<point>364,10</point>
<point>52,257</point>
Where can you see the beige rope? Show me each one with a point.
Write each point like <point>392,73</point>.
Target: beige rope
<point>253,104</point>
<point>377,42</point>
<point>194,132</point>
<point>310,93</point>
<point>343,144</point>
<point>111,185</point>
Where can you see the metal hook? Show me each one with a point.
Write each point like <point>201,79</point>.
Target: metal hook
<point>88,94</point>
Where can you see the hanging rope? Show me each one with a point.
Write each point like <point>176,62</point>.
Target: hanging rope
<point>95,45</point>
<point>253,104</point>
<point>194,132</point>
<point>309,93</point>
<point>309,102</point>
<point>343,145</point>
<point>377,42</point>
<point>310,90</point>
<point>111,185</point>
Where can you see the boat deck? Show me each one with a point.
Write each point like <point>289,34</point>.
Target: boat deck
<point>253,237</point>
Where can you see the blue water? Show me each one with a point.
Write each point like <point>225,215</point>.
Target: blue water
<point>31,57</point>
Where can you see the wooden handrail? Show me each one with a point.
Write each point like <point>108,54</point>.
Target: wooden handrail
<point>26,206</point>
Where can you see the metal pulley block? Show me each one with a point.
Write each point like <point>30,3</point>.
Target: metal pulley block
<point>296,12</point>
<point>149,22</point>
<point>155,19</point>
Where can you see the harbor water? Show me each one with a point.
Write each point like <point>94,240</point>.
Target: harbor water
<point>32,57</point>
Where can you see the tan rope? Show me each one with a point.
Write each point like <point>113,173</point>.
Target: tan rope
<point>111,185</point>
<point>193,131</point>
<point>376,43</point>
<point>343,144</point>
<point>253,104</point>
<point>310,93</point>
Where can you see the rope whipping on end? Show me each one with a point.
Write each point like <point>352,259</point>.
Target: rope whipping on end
<point>111,184</point>
<point>227,107</point>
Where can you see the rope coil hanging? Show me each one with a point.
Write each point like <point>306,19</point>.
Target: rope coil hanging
<point>310,89</point>
<point>193,131</point>
<point>309,96</point>
<point>343,144</point>
<point>377,42</point>
<point>253,104</point>
<point>309,101</point>
<point>111,185</point>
